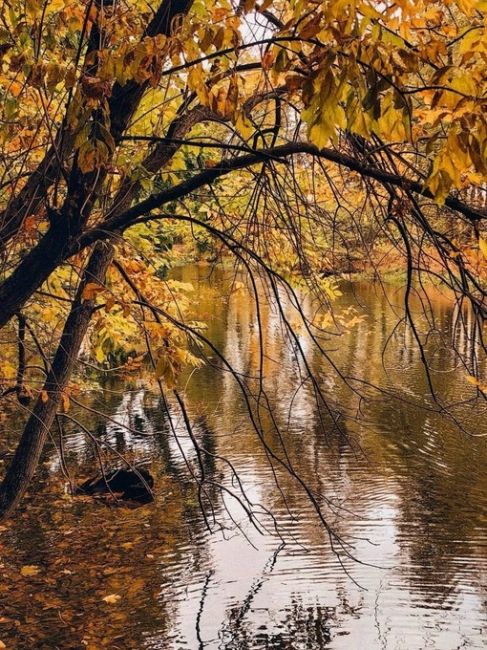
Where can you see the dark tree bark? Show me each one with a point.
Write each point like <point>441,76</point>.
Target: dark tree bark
<point>123,104</point>
<point>33,270</point>
<point>52,250</point>
<point>82,189</point>
<point>29,449</point>
<point>31,198</point>
<point>126,98</point>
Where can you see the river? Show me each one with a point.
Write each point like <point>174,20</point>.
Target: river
<point>402,484</point>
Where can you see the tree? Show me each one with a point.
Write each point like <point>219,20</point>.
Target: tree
<point>272,128</point>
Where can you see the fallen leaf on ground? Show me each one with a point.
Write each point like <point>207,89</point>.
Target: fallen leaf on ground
<point>29,570</point>
<point>112,599</point>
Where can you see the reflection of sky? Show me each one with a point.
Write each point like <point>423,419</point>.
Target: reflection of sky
<point>129,422</point>
<point>397,609</point>
<point>386,613</point>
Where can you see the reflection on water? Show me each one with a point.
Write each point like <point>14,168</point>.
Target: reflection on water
<point>409,491</point>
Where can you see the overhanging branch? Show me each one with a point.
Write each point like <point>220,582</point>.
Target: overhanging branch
<point>279,153</point>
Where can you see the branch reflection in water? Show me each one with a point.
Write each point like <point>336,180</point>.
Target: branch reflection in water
<point>406,486</point>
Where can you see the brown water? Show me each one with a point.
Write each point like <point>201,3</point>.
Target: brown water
<point>408,488</point>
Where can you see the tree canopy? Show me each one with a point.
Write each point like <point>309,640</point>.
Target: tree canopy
<point>279,134</point>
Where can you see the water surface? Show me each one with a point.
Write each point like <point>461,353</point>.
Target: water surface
<point>405,487</point>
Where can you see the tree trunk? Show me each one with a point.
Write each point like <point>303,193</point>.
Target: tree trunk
<point>29,449</point>
<point>32,271</point>
<point>53,248</point>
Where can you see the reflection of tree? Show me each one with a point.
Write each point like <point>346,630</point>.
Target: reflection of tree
<point>412,450</point>
<point>436,467</point>
<point>410,454</point>
<point>301,627</point>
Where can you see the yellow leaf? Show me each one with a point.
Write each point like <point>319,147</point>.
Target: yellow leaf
<point>320,134</point>
<point>244,126</point>
<point>91,155</point>
<point>483,247</point>
<point>196,81</point>
<point>99,354</point>
<point>16,88</point>
<point>112,599</point>
<point>476,382</point>
<point>136,585</point>
<point>86,158</point>
<point>238,287</point>
<point>165,370</point>
<point>2,644</point>
<point>178,164</point>
<point>29,570</point>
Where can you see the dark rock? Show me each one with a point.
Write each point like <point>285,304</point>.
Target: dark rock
<point>120,484</point>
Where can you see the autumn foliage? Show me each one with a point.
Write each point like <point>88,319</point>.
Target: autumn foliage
<point>294,138</point>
